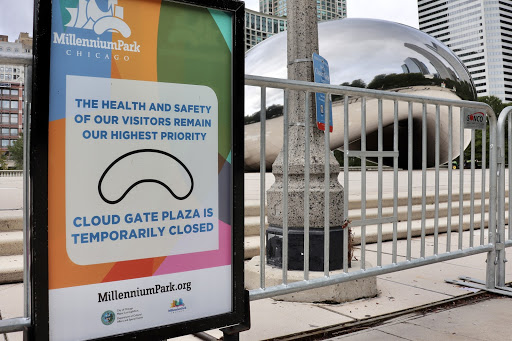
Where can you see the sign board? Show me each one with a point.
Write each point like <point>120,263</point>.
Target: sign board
<point>144,169</point>
<point>321,72</point>
<point>474,119</point>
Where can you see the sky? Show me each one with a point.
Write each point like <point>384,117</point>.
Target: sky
<point>17,14</point>
<point>16,17</point>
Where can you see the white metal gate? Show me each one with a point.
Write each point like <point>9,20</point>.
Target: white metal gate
<point>464,200</point>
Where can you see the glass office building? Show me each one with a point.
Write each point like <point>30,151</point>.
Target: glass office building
<point>272,18</point>
<point>259,26</point>
<point>327,9</point>
<point>480,34</point>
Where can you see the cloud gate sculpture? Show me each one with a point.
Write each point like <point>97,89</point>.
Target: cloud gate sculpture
<point>369,53</point>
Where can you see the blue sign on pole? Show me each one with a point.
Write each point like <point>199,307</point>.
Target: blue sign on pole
<point>321,72</point>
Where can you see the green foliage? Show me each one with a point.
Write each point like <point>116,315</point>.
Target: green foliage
<point>495,103</point>
<point>273,111</point>
<point>358,83</point>
<point>497,106</point>
<point>478,149</point>
<point>394,81</point>
<point>352,161</point>
<point>339,156</point>
<point>16,152</point>
<point>403,80</point>
<point>3,162</point>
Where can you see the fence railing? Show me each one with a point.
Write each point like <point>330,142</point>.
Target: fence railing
<point>434,133</point>
<point>504,235</point>
<point>433,115</point>
<point>11,173</point>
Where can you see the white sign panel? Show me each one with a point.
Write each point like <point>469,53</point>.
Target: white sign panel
<point>133,188</point>
<point>474,119</point>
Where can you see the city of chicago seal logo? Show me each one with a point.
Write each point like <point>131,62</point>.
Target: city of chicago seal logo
<point>88,15</point>
<point>108,317</point>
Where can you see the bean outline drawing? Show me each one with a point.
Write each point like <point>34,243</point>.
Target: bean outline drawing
<point>112,202</point>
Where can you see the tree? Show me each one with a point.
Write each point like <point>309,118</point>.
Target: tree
<point>358,83</point>
<point>497,106</point>
<point>3,161</point>
<point>494,102</point>
<point>275,110</point>
<point>16,151</point>
<point>395,81</point>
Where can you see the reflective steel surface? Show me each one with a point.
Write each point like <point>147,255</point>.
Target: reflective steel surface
<point>371,53</point>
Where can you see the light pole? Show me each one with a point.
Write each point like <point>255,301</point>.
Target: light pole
<point>302,43</point>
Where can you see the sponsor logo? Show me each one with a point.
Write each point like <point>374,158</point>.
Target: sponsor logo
<point>89,16</point>
<point>474,119</point>
<point>108,317</point>
<point>177,305</point>
<point>477,117</point>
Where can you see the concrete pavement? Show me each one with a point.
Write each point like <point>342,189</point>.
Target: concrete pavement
<point>252,182</point>
<point>484,320</point>
<point>11,193</point>
<point>398,292</point>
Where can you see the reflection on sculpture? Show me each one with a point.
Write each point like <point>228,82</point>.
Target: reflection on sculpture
<point>369,53</point>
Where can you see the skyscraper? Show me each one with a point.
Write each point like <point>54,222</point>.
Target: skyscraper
<point>260,26</point>
<point>272,18</point>
<point>480,34</point>
<point>12,79</point>
<point>327,9</point>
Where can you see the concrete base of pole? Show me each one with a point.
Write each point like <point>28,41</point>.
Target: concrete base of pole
<point>343,292</point>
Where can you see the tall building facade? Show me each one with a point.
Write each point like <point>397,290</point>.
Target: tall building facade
<point>12,79</point>
<point>259,26</point>
<point>272,18</point>
<point>479,32</point>
<point>11,113</point>
<point>327,9</point>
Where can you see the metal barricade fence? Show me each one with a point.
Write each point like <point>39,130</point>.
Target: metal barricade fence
<point>414,257</point>
<point>458,193</point>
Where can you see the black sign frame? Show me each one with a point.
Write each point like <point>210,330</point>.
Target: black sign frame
<point>38,153</point>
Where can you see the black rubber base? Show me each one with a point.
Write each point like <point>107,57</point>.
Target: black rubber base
<point>296,248</point>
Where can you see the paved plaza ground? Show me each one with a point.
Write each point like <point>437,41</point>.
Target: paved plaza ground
<point>399,312</point>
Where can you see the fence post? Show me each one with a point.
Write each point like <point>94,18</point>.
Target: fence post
<point>490,281</point>
<point>500,243</point>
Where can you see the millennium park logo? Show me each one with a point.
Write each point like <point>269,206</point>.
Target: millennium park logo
<point>88,15</point>
<point>108,317</point>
